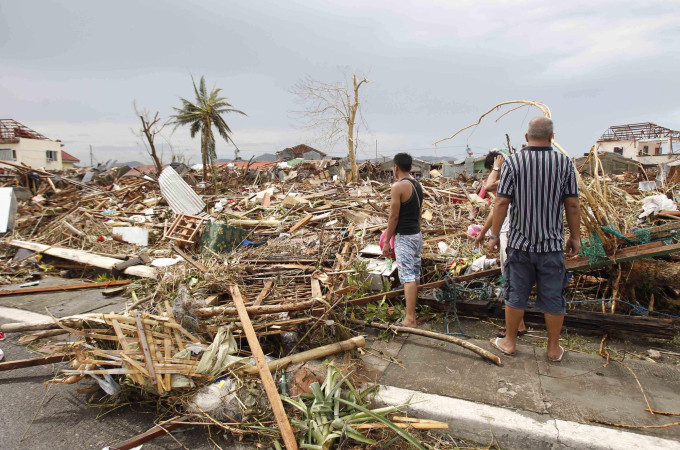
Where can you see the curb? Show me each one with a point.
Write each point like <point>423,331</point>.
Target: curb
<point>515,429</point>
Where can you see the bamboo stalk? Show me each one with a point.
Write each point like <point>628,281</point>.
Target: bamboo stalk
<point>442,337</point>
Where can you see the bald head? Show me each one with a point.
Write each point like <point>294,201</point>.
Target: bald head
<point>540,131</point>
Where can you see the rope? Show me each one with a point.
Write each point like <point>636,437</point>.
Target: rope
<point>451,292</point>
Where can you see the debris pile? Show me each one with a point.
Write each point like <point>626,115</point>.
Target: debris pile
<point>287,258</point>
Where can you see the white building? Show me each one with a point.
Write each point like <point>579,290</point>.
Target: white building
<point>19,144</point>
<point>647,143</point>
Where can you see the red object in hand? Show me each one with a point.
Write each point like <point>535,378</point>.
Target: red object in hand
<point>382,243</point>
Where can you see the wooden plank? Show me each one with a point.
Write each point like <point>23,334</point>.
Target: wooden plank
<point>74,287</point>
<point>264,292</point>
<point>316,288</point>
<point>83,257</point>
<point>145,347</point>
<point>266,376</point>
<point>158,430</point>
<point>301,223</point>
<point>189,259</point>
<point>32,362</point>
<point>267,200</point>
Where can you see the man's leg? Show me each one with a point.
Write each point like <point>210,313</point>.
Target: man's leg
<point>554,325</point>
<point>407,250</point>
<point>520,275</point>
<point>503,257</point>
<point>513,318</point>
<point>551,280</point>
<point>411,294</point>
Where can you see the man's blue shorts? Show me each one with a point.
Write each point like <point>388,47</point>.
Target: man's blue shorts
<point>547,270</point>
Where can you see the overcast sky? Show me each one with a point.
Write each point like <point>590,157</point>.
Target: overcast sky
<point>71,69</point>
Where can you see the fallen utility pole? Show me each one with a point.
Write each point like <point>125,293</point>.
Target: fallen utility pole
<point>315,353</point>
<point>267,381</point>
<point>441,337</point>
<point>83,257</point>
<point>75,287</point>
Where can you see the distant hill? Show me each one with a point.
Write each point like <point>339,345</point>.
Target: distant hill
<point>130,163</point>
<point>266,157</point>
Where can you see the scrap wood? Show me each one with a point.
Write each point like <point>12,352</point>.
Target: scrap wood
<point>256,310</point>
<point>152,433</point>
<point>442,337</point>
<point>301,223</point>
<point>189,259</point>
<point>75,287</point>
<point>32,362</point>
<point>264,292</point>
<point>315,353</point>
<point>658,327</point>
<point>83,257</point>
<point>266,376</point>
<point>406,422</point>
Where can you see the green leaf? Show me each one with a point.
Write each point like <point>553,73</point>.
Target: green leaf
<point>410,439</point>
<point>353,434</point>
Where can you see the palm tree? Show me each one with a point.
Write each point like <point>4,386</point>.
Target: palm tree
<point>201,116</point>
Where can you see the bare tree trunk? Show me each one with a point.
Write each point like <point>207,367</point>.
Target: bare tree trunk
<point>353,106</point>
<point>146,129</point>
<point>150,128</point>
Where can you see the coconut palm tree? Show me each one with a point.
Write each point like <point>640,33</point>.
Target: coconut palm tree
<point>201,116</point>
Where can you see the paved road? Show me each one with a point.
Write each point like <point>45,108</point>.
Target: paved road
<point>65,421</point>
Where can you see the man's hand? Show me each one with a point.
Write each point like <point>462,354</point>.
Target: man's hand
<point>498,161</point>
<point>386,250</point>
<point>479,241</point>
<point>572,247</point>
<point>494,245</point>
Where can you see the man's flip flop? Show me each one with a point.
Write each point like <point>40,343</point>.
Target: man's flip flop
<point>494,343</point>
<point>501,334</point>
<point>561,356</point>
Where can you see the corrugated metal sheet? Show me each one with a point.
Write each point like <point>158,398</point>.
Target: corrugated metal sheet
<point>178,194</point>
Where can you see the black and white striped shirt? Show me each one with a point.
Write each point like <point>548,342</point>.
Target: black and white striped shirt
<point>537,179</point>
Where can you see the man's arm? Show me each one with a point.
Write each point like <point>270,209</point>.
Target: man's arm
<point>393,220</point>
<point>572,210</point>
<point>495,175</point>
<point>500,210</point>
<point>485,228</point>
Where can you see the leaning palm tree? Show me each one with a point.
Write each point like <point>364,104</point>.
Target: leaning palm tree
<point>201,116</point>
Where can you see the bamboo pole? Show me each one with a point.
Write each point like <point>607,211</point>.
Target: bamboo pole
<point>442,337</point>
<point>309,355</point>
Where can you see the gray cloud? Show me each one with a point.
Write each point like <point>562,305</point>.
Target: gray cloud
<point>73,70</point>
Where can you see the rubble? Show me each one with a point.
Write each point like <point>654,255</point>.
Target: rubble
<point>287,259</point>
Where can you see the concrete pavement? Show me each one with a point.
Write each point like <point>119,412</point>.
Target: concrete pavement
<point>578,388</point>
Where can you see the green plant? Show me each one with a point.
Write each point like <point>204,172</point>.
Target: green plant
<point>104,277</point>
<point>201,116</point>
<point>383,312</point>
<point>333,407</point>
<point>360,278</point>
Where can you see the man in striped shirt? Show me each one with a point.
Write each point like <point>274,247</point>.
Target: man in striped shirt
<point>541,185</point>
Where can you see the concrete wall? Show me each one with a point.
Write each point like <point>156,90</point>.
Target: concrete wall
<point>631,149</point>
<point>34,153</point>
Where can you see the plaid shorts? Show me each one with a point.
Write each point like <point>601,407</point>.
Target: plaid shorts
<point>407,249</point>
